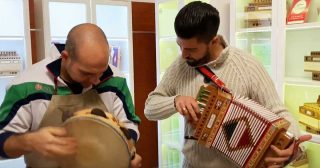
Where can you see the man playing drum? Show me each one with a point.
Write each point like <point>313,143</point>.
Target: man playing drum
<point>40,99</point>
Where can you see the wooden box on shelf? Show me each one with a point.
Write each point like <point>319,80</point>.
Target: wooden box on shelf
<point>310,116</point>
<point>262,2</point>
<point>312,64</point>
<point>258,14</point>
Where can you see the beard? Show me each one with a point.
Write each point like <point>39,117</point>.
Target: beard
<point>203,60</point>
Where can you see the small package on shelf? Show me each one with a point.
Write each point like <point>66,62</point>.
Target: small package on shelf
<point>258,14</point>
<point>309,116</point>
<point>262,2</point>
<point>114,58</point>
<point>298,11</point>
<point>10,63</point>
<point>312,64</point>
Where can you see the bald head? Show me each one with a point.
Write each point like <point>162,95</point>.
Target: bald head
<point>84,35</point>
<point>86,55</point>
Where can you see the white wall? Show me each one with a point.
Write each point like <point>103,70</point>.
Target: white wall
<point>223,7</point>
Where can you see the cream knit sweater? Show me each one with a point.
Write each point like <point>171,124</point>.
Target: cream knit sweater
<point>241,73</point>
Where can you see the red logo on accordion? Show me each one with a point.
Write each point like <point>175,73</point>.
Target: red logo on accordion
<point>237,134</point>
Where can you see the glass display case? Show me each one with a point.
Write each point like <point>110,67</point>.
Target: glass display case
<point>114,18</point>
<point>15,50</point>
<point>299,87</point>
<point>284,46</point>
<point>170,130</point>
<point>14,38</point>
<point>251,30</point>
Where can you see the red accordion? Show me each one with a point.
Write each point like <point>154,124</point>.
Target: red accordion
<point>239,128</point>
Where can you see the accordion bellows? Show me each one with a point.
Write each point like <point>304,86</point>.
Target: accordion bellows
<point>239,128</point>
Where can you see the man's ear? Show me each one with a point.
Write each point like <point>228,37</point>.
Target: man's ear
<point>64,54</point>
<point>215,40</point>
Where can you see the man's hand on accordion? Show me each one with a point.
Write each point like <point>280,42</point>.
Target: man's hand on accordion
<point>287,155</point>
<point>188,107</point>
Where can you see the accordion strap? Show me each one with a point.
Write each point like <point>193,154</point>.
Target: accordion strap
<point>207,73</point>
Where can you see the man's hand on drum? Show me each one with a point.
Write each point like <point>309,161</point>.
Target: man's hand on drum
<point>283,156</point>
<point>188,107</point>
<point>136,162</point>
<point>52,142</point>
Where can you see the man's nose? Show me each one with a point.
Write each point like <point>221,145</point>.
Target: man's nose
<point>184,54</point>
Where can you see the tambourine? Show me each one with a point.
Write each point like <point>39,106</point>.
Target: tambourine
<point>102,141</point>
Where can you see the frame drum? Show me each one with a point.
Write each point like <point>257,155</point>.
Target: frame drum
<point>101,142</point>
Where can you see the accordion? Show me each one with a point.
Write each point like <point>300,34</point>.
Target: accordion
<point>239,128</point>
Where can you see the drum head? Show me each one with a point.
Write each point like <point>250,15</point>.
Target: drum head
<point>100,145</point>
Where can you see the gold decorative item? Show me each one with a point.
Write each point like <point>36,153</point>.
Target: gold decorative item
<point>310,115</point>
<point>258,14</point>
<point>312,64</point>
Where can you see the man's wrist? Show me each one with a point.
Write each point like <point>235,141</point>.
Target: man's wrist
<point>174,102</point>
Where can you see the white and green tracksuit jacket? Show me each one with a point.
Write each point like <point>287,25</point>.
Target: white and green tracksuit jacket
<point>29,95</point>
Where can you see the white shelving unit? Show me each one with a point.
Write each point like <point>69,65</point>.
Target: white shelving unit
<point>260,41</point>
<point>304,26</point>
<point>254,30</point>
<point>302,81</point>
<point>114,18</point>
<point>170,131</point>
<point>289,45</point>
<point>14,36</point>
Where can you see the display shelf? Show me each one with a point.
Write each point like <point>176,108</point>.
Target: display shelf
<point>14,36</point>
<point>171,158</point>
<point>6,77</point>
<point>302,81</point>
<point>167,50</point>
<point>312,150</point>
<point>304,26</point>
<point>177,146</point>
<point>169,38</point>
<point>253,30</point>
<point>289,45</point>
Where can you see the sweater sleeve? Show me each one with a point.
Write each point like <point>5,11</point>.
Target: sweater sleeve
<point>15,115</point>
<point>125,111</point>
<point>160,102</point>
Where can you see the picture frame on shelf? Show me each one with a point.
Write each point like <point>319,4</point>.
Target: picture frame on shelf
<point>114,58</point>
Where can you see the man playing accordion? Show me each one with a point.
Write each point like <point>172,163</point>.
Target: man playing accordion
<point>196,26</point>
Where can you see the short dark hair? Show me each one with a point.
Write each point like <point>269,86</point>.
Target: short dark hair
<point>197,19</point>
